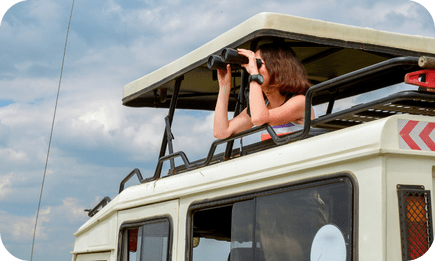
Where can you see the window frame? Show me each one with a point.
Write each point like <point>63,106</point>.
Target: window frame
<point>145,221</point>
<point>344,176</point>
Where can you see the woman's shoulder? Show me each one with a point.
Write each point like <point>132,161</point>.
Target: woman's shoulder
<point>295,102</point>
<point>294,97</point>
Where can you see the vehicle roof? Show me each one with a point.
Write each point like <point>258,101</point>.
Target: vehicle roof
<point>326,49</point>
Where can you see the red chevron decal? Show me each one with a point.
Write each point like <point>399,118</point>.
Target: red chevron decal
<point>424,135</point>
<point>405,135</point>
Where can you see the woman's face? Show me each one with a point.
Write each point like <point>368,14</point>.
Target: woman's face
<point>262,70</point>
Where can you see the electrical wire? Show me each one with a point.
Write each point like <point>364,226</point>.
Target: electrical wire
<point>51,133</point>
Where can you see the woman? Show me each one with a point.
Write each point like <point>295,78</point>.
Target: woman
<point>283,81</point>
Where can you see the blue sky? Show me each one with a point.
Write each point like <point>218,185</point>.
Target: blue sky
<point>97,141</point>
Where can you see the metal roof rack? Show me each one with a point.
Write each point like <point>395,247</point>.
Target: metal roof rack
<point>406,102</point>
<point>367,79</point>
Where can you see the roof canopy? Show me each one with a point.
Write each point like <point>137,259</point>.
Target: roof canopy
<point>326,49</point>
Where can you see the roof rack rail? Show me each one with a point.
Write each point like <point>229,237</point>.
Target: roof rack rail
<point>331,87</point>
<point>128,177</point>
<point>98,207</point>
<point>406,102</point>
<point>279,140</point>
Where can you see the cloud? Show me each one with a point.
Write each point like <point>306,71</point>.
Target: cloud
<point>12,155</point>
<point>105,116</point>
<point>95,126</point>
<point>403,16</point>
<point>31,35</point>
<point>191,128</point>
<point>5,183</point>
<point>27,90</point>
<point>70,210</point>
<point>22,227</point>
<point>53,221</point>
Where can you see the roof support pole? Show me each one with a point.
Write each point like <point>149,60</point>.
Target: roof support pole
<point>237,110</point>
<point>170,117</point>
<point>169,138</point>
<point>334,95</point>
<point>241,100</point>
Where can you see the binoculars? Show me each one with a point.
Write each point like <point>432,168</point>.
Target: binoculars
<point>228,56</point>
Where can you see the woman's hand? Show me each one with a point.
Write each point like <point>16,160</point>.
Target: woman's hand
<point>222,128</point>
<point>224,79</point>
<point>250,67</point>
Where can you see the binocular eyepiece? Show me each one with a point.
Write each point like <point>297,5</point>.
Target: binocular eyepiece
<point>228,56</point>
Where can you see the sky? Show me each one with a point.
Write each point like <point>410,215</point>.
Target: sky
<point>97,141</point>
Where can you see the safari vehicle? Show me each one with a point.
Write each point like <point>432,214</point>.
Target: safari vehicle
<point>355,184</point>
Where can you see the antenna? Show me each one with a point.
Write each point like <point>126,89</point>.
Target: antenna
<point>51,132</point>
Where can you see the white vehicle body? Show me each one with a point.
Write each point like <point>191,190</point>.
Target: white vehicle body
<point>365,168</point>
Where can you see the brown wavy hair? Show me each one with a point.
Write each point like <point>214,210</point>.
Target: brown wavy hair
<point>286,71</point>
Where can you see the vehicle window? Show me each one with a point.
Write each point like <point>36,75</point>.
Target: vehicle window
<point>276,225</point>
<point>212,234</point>
<point>149,242</point>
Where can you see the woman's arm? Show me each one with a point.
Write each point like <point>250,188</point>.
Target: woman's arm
<point>222,128</point>
<point>259,110</point>
<point>291,111</point>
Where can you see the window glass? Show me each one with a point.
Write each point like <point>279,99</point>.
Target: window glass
<point>287,223</point>
<point>279,225</point>
<point>149,242</point>
<point>211,249</point>
<point>242,232</point>
<point>212,234</point>
<point>154,245</point>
